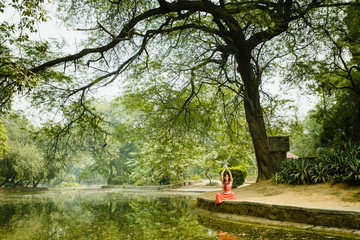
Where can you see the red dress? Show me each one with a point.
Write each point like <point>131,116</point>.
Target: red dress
<point>226,195</point>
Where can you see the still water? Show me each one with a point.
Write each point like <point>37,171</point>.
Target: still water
<point>106,214</point>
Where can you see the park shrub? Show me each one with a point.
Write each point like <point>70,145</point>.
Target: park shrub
<point>141,182</point>
<point>293,172</point>
<point>337,178</point>
<point>301,173</point>
<point>196,177</point>
<point>343,163</point>
<point>117,181</point>
<point>318,173</point>
<point>353,173</point>
<point>69,184</point>
<point>239,174</point>
<point>338,164</point>
<point>120,180</point>
<point>277,178</point>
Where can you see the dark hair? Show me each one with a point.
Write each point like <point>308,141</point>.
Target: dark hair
<point>226,173</point>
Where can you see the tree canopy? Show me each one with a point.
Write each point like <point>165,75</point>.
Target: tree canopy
<point>189,55</point>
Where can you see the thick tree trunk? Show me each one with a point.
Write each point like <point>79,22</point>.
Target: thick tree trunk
<point>110,180</point>
<point>255,120</point>
<point>118,167</point>
<point>35,183</point>
<point>17,183</point>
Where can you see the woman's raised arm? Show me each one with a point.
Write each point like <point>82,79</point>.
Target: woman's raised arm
<point>222,176</point>
<point>231,178</point>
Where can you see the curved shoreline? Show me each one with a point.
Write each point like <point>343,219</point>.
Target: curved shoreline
<point>256,222</point>
<point>308,218</point>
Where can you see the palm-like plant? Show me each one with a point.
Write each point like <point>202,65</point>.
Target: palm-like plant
<point>318,173</point>
<point>286,170</point>
<point>337,178</point>
<point>277,178</point>
<point>336,162</point>
<point>353,173</point>
<point>301,172</point>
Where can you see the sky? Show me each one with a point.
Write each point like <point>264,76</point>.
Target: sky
<point>54,29</point>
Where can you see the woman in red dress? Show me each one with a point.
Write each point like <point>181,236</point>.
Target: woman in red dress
<point>227,181</point>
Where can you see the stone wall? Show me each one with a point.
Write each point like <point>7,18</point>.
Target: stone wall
<point>319,217</point>
<point>279,145</point>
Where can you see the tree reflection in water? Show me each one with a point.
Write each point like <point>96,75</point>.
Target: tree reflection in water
<point>118,215</point>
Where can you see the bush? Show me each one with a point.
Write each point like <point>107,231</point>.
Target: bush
<point>119,180</point>
<point>141,182</point>
<point>277,178</point>
<point>318,173</point>
<point>337,178</point>
<point>299,172</point>
<point>196,177</point>
<point>343,163</point>
<point>295,171</point>
<point>69,184</point>
<point>353,173</point>
<point>239,174</point>
<point>339,164</point>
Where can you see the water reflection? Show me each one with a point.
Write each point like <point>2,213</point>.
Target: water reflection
<point>117,215</point>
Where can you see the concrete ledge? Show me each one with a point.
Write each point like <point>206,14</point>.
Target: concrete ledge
<point>214,219</point>
<point>319,217</point>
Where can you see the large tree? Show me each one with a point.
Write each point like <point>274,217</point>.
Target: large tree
<point>226,44</point>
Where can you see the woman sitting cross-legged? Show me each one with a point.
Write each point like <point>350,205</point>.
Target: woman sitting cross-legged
<point>227,181</point>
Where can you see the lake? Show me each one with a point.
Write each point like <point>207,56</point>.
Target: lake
<point>119,214</point>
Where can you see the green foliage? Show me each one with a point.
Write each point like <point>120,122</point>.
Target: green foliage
<point>277,178</point>
<point>301,173</point>
<point>4,148</point>
<point>305,137</point>
<point>337,178</point>
<point>192,103</point>
<point>141,182</point>
<point>318,173</point>
<point>18,53</point>
<point>195,177</point>
<point>295,171</point>
<point>120,180</point>
<point>353,173</point>
<point>339,164</point>
<point>335,118</point>
<point>239,174</point>
<point>25,160</point>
